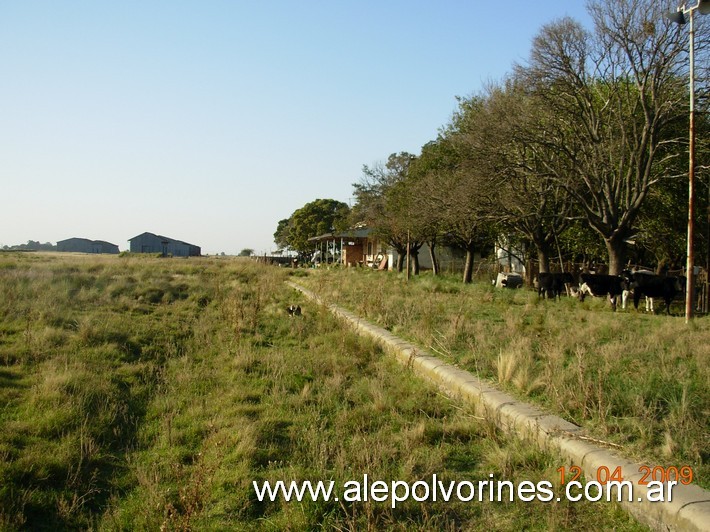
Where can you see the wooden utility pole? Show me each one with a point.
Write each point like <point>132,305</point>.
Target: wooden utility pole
<point>407,254</point>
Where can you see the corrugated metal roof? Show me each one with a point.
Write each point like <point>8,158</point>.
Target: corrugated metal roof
<point>350,233</point>
<point>86,240</point>
<point>166,238</point>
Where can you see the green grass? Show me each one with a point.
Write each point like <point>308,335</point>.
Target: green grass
<point>641,382</point>
<point>143,393</point>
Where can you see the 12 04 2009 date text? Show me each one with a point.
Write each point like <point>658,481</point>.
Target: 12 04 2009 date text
<point>679,475</point>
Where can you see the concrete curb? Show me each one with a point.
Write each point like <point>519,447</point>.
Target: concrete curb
<point>690,506</point>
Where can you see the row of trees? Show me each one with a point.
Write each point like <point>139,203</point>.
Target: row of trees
<point>32,245</point>
<point>581,149</point>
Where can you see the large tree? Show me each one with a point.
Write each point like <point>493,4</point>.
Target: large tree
<point>459,195</point>
<point>428,173</point>
<point>313,219</point>
<point>384,204</point>
<point>281,235</point>
<point>465,211</point>
<point>530,205</point>
<point>616,96</point>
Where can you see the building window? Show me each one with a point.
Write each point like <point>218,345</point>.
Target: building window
<point>369,248</point>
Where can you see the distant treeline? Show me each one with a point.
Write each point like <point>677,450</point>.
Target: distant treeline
<point>31,245</point>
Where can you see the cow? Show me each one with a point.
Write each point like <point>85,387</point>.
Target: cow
<point>625,298</point>
<point>508,280</point>
<point>553,284</point>
<point>628,291</point>
<point>598,285</point>
<point>293,310</point>
<point>650,285</point>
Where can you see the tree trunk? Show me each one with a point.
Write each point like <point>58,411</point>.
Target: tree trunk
<point>401,250</point>
<point>663,266</point>
<point>434,260</point>
<point>414,260</point>
<point>414,248</point>
<point>400,261</point>
<point>543,258</point>
<point>468,266</point>
<point>616,248</point>
<point>529,272</point>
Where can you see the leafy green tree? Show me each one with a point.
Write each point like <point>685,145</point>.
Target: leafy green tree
<point>313,219</point>
<point>465,215</point>
<point>580,243</point>
<point>509,131</point>
<point>281,236</point>
<point>455,191</point>
<point>402,204</point>
<point>384,204</point>
<point>438,159</point>
<point>663,220</point>
<point>246,252</point>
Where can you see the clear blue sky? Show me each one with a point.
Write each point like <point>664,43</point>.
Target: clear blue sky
<point>209,121</point>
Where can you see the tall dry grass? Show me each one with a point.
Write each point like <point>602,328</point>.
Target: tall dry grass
<point>638,381</point>
<point>144,393</point>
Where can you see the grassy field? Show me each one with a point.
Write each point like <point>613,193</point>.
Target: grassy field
<point>143,394</point>
<point>640,382</point>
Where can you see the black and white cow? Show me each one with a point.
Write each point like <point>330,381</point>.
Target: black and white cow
<point>508,280</point>
<point>627,292</point>
<point>553,284</point>
<point>650,285</point>
<point>293,310</point>
<point>599,285</point>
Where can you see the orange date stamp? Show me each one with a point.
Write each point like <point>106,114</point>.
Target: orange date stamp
<point>604,474</point>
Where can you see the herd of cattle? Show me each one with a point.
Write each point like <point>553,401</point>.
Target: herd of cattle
<point>639,284</point>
